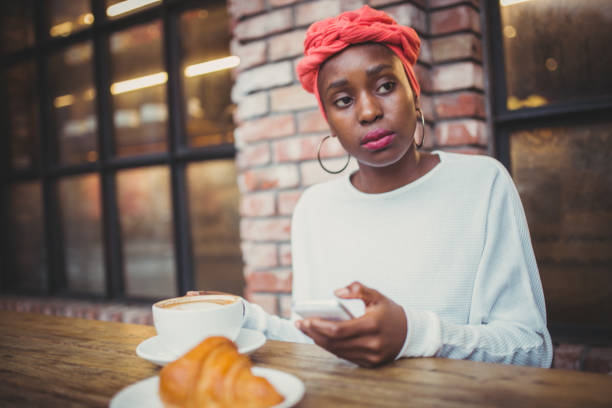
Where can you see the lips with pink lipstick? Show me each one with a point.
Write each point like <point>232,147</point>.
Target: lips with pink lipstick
<point>377,139</point>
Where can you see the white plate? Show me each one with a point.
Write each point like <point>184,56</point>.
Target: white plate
<point>145,393</point>
<point>154,351</point>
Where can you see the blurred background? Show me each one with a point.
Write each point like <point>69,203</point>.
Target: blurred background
<point>151,147</point>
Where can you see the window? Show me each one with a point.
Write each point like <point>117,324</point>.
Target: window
<point>552,100</point>
<point>118,152</point>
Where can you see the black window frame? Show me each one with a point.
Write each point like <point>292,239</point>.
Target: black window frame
<point>503,122</point>
<point>177,156</point>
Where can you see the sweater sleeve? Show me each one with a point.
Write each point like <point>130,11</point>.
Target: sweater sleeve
<point>507,322</point>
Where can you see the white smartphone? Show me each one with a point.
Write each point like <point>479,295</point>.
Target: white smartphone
<point>329,309</point>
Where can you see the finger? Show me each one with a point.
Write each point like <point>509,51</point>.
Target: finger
<point>357,290</point>
<point>362,359</point>
<point>306,328</point>
<point>360,326</point>
<point>359,350</point>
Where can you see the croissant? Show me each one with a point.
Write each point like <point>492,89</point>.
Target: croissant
<point>214,375</point>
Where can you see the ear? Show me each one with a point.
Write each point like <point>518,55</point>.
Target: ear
<point>417,102</point>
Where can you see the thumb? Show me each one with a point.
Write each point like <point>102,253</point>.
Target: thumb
<point>357,290</point>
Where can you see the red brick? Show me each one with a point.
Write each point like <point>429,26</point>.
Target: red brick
<point>430,140</point>
<point>316,10</point>
<point>264,24</point>
<point>378,3</point>
<point>305,148</point>
<point>295,149</point>
<point>291,98</point>
<point>279,176</point>
<point>285,254</point>
<point>423,77</point>
<point>268,302</point>
<point>269,281</point>
<point>425,52</point>
<point>263,77</point>
<point>253,155</point>
<point>268,127</point>
<point>259,255</point>
<point>241,8</point>
<point>251,54</point>
<point>427,106</point>
<point>454,19</point>
<point>311,121</point>
<point>268,229</point>
<point>567,356</point>
<point>445,3</point>
<point>280,3</point>
<point>460,104</point>
<point>461,75</point>
<point>285,306</point>
<point>252,105</point>
<point>257,204</point>
<point>287,201</point>
<point>286,45</point>
<point>312,173</point>
<point>598,360</point>
<point>458,46</point>
<point>461,132</point>
<point>409,15</point>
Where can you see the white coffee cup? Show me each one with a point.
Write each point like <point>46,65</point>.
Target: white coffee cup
<point>183,322</point>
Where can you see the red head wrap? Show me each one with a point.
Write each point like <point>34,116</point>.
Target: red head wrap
<point>328,37</point>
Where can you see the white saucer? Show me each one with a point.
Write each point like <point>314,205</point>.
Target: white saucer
<point>154,351</point>
<point>145,393</point>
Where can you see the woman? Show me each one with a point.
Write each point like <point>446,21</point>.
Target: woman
<point>436,245</point>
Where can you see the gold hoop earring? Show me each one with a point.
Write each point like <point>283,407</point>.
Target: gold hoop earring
<point>419,145</point>
<point>321,163</point>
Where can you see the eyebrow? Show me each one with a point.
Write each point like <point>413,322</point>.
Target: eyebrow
<point>369,72</point>
<point>376,69</point>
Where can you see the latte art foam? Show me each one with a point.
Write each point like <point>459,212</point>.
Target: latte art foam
<point>197,304</point>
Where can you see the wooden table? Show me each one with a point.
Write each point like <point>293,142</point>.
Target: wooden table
<point>59,361</point>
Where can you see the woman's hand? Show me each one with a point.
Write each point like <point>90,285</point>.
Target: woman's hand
<point>370,340</point>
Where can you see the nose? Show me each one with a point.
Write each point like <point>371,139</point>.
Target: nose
<point>369,109</point>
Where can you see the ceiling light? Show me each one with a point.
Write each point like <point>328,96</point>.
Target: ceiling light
<point>139,83</point>
<point>126,6</point>
<point>510,2</point>
<point>212,66</point>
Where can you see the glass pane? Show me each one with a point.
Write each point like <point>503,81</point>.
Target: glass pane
<point>20,106</point>
<point>74,104</point>
<point>564,176</point>
<point>207,85</point>
<point>556,50</point>
<point>16,25</point>
<point>213,204</point>
<point>121,8</point>
<point>139,90</point>
<point>146,225</point>
<point>67,16</point>
<point>27,244</point>
<point>80,207</point>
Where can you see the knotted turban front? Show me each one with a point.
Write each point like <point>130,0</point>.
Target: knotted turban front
<point>328,37</point>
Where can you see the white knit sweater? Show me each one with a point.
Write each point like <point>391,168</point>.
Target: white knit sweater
<point>452,248</point>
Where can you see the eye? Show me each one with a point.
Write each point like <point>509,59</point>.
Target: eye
<point>386,87</point>
<point>343,102</point>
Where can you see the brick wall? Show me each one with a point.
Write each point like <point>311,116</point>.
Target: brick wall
<point>84,309</point>
<point>279,125</point>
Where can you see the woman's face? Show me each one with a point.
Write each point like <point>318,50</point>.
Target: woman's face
<point>369,104</point>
